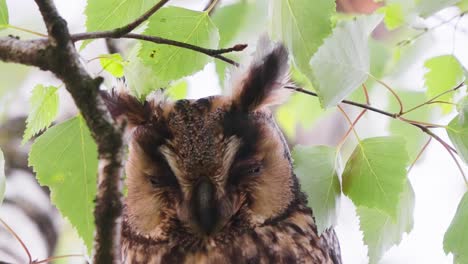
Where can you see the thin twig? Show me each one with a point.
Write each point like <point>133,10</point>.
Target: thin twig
<point>57,257</point>
<point>420,153</point>
<point>432,100</point>
<point>429,125</point>
<point>351,123</point>
<point>425,29</point>
<point>400,103</point>
<point>216,53</point>
<point>364,88</point>
<point>17,238</point>
<point>210,6</point>
<point>25,30</point>
<point>129,27</point>
<point>351,128</point>
<point>394,116</point>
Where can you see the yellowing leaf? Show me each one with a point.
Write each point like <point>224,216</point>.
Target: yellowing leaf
<point>456,237</point>
<point>375,173</point>
<point>113,63</point>
<point>342,63</point>
<point>44,103</point>
<point>381,231</point>
<point>3,13</point>
<point>444,73</point>
<point>316,168</point>
<point>184,25</point>
<point>302,25</point>
<point>64,159</point>
<point>178,91</point>
<point>394,15</point>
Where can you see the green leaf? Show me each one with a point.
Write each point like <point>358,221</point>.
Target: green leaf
<point>299,109</point>
<point>426,8</point>
<point>456,236</point>
<point>230,21</point>
<point>316,168</point>
<point>3,14</point>
<point>375,173</point>
<point>342,63</point>
<point>140,78</point>
<point>462,108</point>
<point>457,131</point>
<point>64,158</point>
<point>178,91</point>
<point>44,103</point>
<point>302,25</point>
<point>2,177</point>
<point>444,73</point>
<point>111,14</point>
<point>463,5</point>
<point>414,137</point>
<point>394,15</point>
<point>381,231</point>
<point>184,25</point>
<point>113,63</point>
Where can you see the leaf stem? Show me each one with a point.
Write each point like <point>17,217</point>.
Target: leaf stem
<point>351,128</point>
<point>351,123</point>
<point>400,103</point>
<point>17,238</point>
<point>26,30</point>
<point>210,6</point>
<point>57,257</point>
<point>420,153</point>
<point>425,29</point>
<point>432,100</point>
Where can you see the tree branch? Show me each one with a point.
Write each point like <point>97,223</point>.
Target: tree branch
<point>423,127</point>
<point>129,27</point>
<point>63,60</point>
<point>215,53</point>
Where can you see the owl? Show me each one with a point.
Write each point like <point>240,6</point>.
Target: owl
<point>211,180</point>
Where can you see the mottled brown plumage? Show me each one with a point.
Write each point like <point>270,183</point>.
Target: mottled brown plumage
<point>211,180</point>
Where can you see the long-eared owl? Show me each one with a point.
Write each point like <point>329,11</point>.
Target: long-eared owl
<point>211,180</point>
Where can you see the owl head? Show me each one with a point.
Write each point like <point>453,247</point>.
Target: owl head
<point>210,165</point>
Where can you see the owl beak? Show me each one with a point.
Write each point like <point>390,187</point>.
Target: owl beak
<point>204,207</point>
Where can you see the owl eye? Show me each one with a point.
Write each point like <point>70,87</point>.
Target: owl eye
<point>163,179</point>
<point>254,169</point>
<point>244,170</point>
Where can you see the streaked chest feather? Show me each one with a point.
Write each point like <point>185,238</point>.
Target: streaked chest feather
<point>291,240</point>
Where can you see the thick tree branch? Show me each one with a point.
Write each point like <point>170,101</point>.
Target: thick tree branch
<point>58,55</point>
<point>33,52</point>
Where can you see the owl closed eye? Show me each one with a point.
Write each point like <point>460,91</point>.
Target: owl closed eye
<point>211,180</point>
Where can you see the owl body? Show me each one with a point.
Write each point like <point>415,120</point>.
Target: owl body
<point>211,180</point>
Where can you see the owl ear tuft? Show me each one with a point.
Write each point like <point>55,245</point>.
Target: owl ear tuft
<point>263,83</point>
<point>124,106</point>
